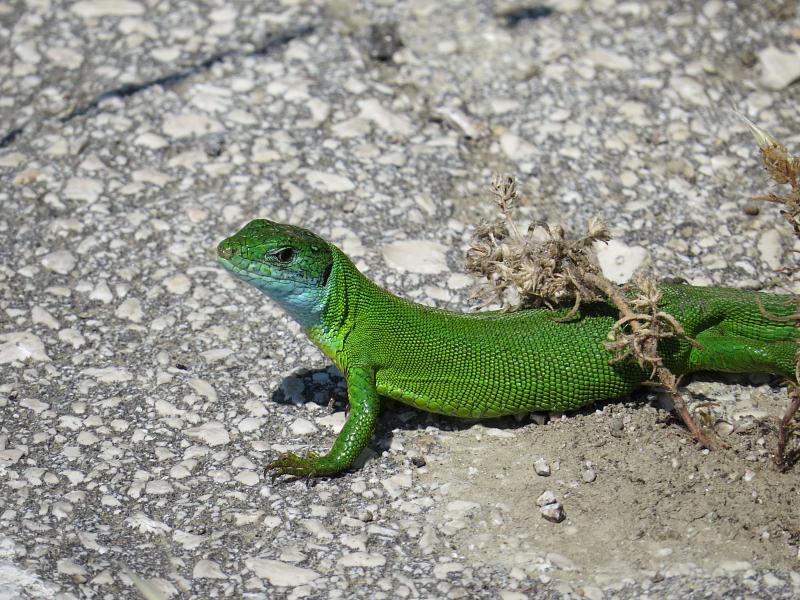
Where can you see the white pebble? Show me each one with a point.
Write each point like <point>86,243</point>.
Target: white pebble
<point>21,346</point>
<point>279,573</point>
<point>102,292</point>
<point>158,487</point>
<point>619,261</point>
<point>608,59</point>
<point>362,559</point>
<point>40,316</point>
<point>212,433</point>
<point>131,310</point>
<point>189,125</point>
<point>178,284</point>
<point>553,512</point>
<point>391,123</point>
<point>84,189</point>
<point>89,9</point>
<point>60,261</point>
<point>108,374</point>
<point>329,182</point>
<point>247,477</point>
<point>207,569</point>
<point>416,256</point>
<point>545,498</point>
<point>302,427</point>
<point>778,68</point>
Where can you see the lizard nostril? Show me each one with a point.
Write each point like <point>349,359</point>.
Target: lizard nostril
<point>226,249</point>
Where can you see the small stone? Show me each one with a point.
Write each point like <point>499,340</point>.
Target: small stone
<point>151,140</point>
<point>302,427</point>
<point>60,261</point>
<point>33,404</point>
<point>189,541</point>
<point>689,89</point>
<point>770,248</point>
<point>212,433</point>
<point>152,176</point>
<point>771,580</point>
<point>40,316</point>
<point>207,569</point>
<point>89,9</point>
<point>602,57</point>
<point>362,559</point>
<point>384,40</point>
<point>541,467</point>
<point>190,125</point>
<point>65,57</point>
<point>102,292</point>
<point>442,570</point>
<point>723,428</point>
<point>396,483</point>
<point>87,438</point>
<point>84,189</point>
<point>21,346</point>
<point>131,310</point>
<point>329,182</point>
<point>10,456</point>
<point>280,573</point>
<point>545,498</point>
<point>553,512</point>
<point>751,208</point>
<point>516,148</point>
<point>166,54</point>
<point>158,487</point>
<point>178,284</point>
<point>416,256</point>
<point>391,123</point>
<point>589,475</point>
<point>619,261</point>
<point>778,68</point>
<point>108,374</point>
<point>204,388</point>
<point>69,567</point>
<point>418,460</point>
<point>247,477</point>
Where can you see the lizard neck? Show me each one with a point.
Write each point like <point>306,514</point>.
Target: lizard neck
<point>346,292</point>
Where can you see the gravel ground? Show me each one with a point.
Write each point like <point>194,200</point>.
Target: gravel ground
<point>142,390</point>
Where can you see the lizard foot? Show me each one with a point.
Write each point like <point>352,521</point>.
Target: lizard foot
<point>289,463</point>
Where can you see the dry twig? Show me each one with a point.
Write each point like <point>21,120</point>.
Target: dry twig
<point>783,168</point>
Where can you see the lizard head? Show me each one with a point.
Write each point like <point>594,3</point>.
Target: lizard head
<point>289,264</point>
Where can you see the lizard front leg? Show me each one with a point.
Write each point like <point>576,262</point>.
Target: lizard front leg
<point>357,431</point>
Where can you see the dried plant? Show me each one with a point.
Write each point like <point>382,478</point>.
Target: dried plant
<point>641,326</point>
<point>783,168</point>
<point>535,272</point>
<point>551,271</point>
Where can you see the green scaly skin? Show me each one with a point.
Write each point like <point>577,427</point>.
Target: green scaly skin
<point>484,364</point>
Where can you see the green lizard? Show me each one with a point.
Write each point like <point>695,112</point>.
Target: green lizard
<point>483,364</point>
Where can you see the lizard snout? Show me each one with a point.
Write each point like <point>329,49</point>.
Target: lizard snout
<point>226,249</point>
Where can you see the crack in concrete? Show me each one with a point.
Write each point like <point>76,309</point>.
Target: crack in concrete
<point>170,80</point>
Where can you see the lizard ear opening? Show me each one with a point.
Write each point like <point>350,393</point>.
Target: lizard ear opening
<point>326,273</point>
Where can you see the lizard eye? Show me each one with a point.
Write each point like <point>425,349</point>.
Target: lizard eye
<point>284,255</point>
